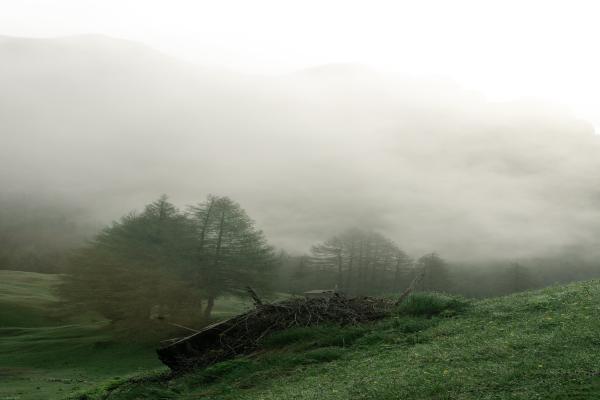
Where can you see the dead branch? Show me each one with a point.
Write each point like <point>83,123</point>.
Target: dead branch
<point>411,287</point>
<point>182,327</point>
<point>244,333</point>
<point>255,298</point>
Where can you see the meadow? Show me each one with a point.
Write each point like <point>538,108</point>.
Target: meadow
<point>532,345</point>
<point>47,351</point>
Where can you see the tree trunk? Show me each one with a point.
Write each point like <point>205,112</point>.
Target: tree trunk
<point>210,303</point>
<point>205,226</point>
<point>219,239</point>
<point>339,265</point>
<point>361,269</point>
<point>349,282</point>
<point>420,275</point>
<point>397,275</point>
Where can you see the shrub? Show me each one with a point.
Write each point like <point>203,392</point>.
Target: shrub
<point>430,304</point>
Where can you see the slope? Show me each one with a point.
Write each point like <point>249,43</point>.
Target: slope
<point>532,345</point>
<point>46,352</point>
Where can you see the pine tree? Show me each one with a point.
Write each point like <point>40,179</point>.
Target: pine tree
<point>403,271</point>
<point>518,278</point>
<point>360,262</point>
<point>137,265</point>
<point>435,273</point>
<point>230,253</point>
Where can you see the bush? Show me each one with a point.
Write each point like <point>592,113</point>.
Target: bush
<point>430,304</point>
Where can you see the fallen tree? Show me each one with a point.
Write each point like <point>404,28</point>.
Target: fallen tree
<point>242,334</point>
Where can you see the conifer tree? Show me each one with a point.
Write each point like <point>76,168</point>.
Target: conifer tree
<point>360,262</point>
<point>435,273</point>
<point>230,253</point>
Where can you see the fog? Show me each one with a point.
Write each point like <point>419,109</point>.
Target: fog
<point>107,125</point>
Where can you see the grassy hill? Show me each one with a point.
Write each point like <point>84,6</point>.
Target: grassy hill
<point>48,352</point>
<point>533,345</point>
<point>45,353</point>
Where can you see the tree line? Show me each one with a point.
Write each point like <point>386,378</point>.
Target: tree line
<point>360,262</point>
<point>166,265</point>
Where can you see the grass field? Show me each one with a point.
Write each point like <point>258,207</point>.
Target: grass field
<point>45,353</point>
<point>533,345</point>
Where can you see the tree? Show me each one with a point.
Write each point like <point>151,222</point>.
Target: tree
<point>328,259</point>
<point>293,273</point>
<point>300,274</point>
<point>360,262</point>
<point>166,263</point>
<point>136,266</point>
<point>230,253</point>
<point>403,271</point>
<point>435,273</point>
<point>518,278</point>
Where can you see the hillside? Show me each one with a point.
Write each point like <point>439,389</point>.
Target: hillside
<point>48,351</point>
<point>533,345</point>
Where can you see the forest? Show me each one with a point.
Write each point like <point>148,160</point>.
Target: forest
<point>154,270</point>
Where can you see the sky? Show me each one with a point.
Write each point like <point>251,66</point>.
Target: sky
<point>505,50</point>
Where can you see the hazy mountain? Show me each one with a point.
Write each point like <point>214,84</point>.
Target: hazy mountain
<point>111,124</point>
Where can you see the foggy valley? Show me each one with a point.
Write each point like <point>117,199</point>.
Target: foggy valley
<point>107,125</point>
<point>267,200</point>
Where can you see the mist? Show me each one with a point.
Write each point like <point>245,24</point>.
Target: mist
<point>317,199</point>
<point>107,125</point>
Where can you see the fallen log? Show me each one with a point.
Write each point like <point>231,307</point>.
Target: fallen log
<point>243,333</point>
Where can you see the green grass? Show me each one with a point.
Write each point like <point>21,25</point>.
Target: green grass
<point>25,297</point>
<point>45,354</point>
<point>533,345</point>
<point>27,288</point>
<point>430,304</point>
<point>48,353</point>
